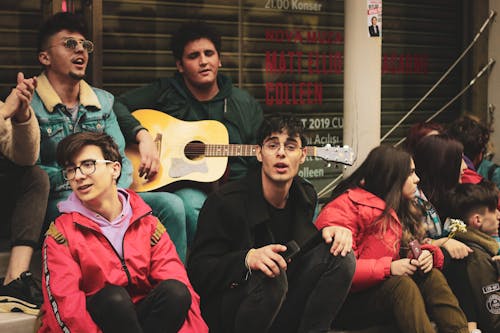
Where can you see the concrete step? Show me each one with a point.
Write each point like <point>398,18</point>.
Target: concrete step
<point>17,323</point>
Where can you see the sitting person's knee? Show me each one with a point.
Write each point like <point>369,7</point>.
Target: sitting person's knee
<point>113,296</point>
<point>113,300</point>
<point>402,285</point>
<point>175,292</point>
<point>39,178</point>
<point>274,289</point>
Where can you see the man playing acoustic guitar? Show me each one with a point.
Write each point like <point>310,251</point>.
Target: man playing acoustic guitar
<point>196,92</point>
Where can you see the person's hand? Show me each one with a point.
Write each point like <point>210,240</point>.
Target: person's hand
<point>425,261</point>
<point>150,161</point>
<point>340,237</point>
<point>456,249</point>
<point>17,103</point>
<point>495,258</point>
<point>404,266</point>
<point>267,259</point>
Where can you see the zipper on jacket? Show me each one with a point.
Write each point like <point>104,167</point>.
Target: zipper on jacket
<point>122,260</point>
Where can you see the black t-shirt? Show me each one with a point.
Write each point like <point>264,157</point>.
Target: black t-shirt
<point>281,222</point>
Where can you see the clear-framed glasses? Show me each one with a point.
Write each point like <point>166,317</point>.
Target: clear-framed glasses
<point>71,43</point>
<point>289,147</point>
<point>87,168</point>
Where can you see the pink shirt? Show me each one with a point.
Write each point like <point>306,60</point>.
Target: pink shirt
<point>114,230</point>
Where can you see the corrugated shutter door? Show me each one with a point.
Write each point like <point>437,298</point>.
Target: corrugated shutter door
<point>420,41</point>
<point>19,21</point>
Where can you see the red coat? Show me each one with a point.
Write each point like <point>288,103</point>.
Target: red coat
<point>78,261</point>
<point>471,176</point>
<point>375,250</point>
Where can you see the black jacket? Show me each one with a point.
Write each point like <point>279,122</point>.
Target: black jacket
<point>231,222</point>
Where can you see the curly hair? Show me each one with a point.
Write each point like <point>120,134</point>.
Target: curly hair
<point>473,135</point>
<point>58,22</point>
<point>192,31</point>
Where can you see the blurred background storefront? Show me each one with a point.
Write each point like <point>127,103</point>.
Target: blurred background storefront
<point>289,54</point>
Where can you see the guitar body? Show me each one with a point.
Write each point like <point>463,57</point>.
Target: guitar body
<point>198,151</point>
<point>172,136</point>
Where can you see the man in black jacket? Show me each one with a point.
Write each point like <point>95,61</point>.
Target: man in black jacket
<point>239,263</point>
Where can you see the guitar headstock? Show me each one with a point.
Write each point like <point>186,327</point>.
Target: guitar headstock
<point>336,154</point>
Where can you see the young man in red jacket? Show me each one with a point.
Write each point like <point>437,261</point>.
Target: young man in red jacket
<point>108,264</point>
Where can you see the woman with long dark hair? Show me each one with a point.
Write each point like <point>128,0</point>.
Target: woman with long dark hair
<point>377,204</point>
<point>439,164</point>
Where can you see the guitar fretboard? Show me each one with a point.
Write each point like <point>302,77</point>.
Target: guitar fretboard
<point>195,150</point>
<point>213,150</point>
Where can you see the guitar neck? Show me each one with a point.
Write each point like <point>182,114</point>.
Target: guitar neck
<point>213,150</point>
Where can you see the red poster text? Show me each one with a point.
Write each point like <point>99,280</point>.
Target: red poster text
<point>294,93</point>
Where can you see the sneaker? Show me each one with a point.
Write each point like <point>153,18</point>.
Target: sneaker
<point>21,295</point>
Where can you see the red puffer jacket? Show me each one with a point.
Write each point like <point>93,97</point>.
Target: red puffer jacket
<point>78,261</point>
<point>357,210</point>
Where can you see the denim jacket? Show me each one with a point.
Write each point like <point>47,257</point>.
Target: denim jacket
<point>95,114</point>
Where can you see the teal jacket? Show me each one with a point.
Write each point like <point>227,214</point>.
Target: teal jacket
<point>95,114</point>
<point>235,108</point>
<point>490,171</point>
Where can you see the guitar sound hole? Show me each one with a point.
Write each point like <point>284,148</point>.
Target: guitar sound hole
<point>194,150</point>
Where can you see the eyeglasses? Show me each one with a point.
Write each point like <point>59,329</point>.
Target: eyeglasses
<point>87,168</point>
<point>288,147</point>
<point>71,43</point>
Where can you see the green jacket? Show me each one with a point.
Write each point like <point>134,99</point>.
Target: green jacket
<point>235,108</point>
<point>484,278</point>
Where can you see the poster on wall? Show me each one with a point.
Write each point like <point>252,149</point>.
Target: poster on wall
<point>302,72</point>
<point>374,17</point>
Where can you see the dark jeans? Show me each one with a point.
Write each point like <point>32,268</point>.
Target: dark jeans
<point>23,199</point>
<point>305,298</point>
<point>163,310</point>
<point>410,302</point>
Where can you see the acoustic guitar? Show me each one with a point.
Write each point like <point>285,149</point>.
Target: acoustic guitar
<point>199,150</point>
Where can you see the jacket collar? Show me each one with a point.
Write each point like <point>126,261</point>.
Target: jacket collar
<point>139,209</point>
<point>476,236</point>
<point>223,82</point>
<point>50,98</point>
<point>258,205</point>
<point>363,197</point>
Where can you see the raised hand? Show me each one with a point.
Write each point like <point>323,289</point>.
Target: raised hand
<point>17,103</point>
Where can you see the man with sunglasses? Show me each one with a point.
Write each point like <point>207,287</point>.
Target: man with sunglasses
<point>257,260</point>
<point>196,92</point>
<point>64,103</point>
